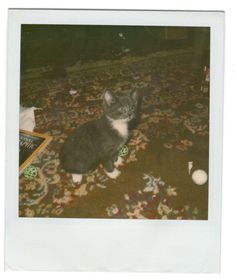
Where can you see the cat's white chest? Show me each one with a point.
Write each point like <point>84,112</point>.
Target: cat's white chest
<point>121,127</point>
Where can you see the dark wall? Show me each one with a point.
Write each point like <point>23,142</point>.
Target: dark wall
<point>64,45</point>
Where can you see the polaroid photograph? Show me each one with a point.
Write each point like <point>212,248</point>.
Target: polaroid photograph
<point>118,140</point>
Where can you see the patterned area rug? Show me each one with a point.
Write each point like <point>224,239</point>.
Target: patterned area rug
<point>173,130</point>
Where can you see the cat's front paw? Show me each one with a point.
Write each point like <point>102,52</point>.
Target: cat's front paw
<point>77,178</point>
<point>114,174</point>
<point>119,162</point>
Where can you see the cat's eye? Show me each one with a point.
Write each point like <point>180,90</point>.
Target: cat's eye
<point>123,109</point>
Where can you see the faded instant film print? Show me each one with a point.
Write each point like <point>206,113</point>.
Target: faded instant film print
<point>114,140</point>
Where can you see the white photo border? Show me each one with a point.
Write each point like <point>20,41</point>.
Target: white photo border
<point>103,244</point>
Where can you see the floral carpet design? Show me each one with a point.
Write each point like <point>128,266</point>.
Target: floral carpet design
<point>152,202</point>
<point>172,130</point>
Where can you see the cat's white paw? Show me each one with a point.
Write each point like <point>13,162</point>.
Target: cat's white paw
<point>119,162</point>
<point>77,178</point>
<point>114,174</point>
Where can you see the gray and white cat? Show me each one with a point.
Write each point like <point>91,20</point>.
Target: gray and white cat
<point>99,141</point>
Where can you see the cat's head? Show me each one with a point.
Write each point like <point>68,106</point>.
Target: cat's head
<point>120,106</point>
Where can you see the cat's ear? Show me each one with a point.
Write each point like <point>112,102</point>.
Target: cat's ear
<point>108,98</point>
<point>134,95</point>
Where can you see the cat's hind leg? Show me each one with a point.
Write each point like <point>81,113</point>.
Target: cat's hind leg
<point>77,178</point>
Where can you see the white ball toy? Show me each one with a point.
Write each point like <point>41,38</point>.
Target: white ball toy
<point>72,91</point>
<point>199,177</point>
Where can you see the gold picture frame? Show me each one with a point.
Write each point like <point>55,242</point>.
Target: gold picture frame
<point>39,148</point>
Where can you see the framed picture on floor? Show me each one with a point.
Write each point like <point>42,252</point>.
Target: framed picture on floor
<point>31,144</point>
<point>131,113</point>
